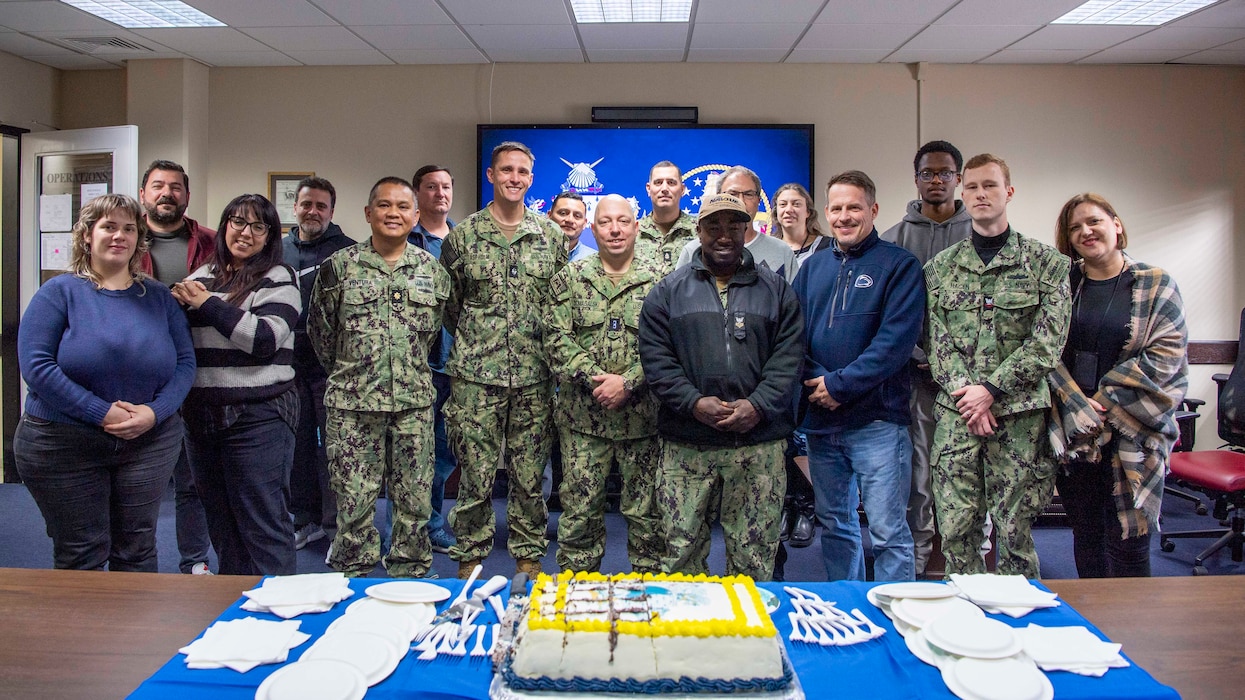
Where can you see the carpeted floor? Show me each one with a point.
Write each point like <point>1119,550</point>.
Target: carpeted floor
<point>24,544</point>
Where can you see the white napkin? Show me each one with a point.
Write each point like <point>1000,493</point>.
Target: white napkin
<point>1073,649</point>
<point>288,596</point>
<point>243,644</point>
<point>1010,595</point>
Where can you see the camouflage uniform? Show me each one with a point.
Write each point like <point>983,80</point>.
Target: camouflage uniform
<point>372,328</point>
<point>691,484</point>
<point>592,326</point>
<point>500,388</point>
<point>1004,323</point>
<point>668,245</point>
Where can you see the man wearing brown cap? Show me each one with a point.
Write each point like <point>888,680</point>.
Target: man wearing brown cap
<point>721,341</point>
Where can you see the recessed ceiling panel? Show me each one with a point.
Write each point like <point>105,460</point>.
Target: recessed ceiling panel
<point>214,39</point>
<point>745,36</point>
<point>384,12</point>
<point>1078,36</point>
<point>861,37</point>
<point>418,38</point>
<point>1036,56</point>
<point>634,37</point>
<point>750,11</point>
<point>264,13</point>
<point>887,12</point>
<point>535,37</point>
<point>977,13</point>
<point>308,38</point>
<point>508,11</point>
<point>369,57</point>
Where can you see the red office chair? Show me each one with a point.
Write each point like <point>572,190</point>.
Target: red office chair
<point>1220,474</point>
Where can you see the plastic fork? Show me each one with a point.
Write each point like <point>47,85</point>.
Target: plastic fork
<point>796,635</point>
<point>478,649</point>
<point>875,630</point>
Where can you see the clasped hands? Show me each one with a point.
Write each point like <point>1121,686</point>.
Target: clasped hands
<point>974,405</point>
<point>190,293</point>
<point>611,391</point>
<point>737,416</point>
<point>128,421</point>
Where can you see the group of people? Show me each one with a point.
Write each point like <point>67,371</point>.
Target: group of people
<point>947,371</point>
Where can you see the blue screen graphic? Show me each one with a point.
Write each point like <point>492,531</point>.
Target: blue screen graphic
<point>598,159</point>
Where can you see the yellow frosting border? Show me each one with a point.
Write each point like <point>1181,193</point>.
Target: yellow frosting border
<point>738,626</point>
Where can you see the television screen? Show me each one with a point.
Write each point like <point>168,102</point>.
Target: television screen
<point>599,159</point>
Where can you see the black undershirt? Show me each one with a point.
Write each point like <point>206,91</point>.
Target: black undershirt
<point>1101,312</point>
<point>989,246</point>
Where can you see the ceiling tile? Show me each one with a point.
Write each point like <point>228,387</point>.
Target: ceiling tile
<point>1216,57</point>
<point>46,16</point>
<point>384,12</point>
<point>75,62</point>
<point>1120,54</point>
<point>23,45</point>
<point>1187,38</point>
<point>961,55</point>
<point>369,57</point>
<point>494,12</point>
<point>414,38</point>
<point>837,55</point>
<point>244,59</point>
<point>1225,14</point>
<point>941,36</point>
<point>634,37</point>
<point>264,13</point>
<point>635,55</point>
<point>505,37</point>
<point>745,36</point>
<point>537,55</point>
<point>1068,36</point>
<point>215,39</point>
<point>308,38</point>
<point>436,56</point>
<point>749,11</point>
<point>889,12</point>
<point>1037,56</point>
<point>861,37</point>
<point>979,13</point>
<point>736,55</point>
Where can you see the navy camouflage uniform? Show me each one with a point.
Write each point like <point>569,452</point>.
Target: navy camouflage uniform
<point>592,326</point>
<point>667,246</point>
<point>372,328</point>
<point>501,391</point>
<point>1004,323</point>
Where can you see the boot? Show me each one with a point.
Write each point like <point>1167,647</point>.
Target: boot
<point>784,525</point>
<point>531,567</point>
<point>466,567</point>
<point>803,525</point>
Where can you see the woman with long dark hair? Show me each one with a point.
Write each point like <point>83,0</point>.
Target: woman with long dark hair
<point>795,221</point>
<point>242,410</point>
<point>106,355</point>
<point>1123,375</point>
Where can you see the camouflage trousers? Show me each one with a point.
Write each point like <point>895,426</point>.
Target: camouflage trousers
<point>742,486</point>
<point>479,420</point>
<point>368,450</point>
<point>581,528</point>
<point>1009,475</point>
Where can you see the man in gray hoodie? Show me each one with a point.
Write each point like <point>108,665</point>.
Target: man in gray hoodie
<point>934,221</point>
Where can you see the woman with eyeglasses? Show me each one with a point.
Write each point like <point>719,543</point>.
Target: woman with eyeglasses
<point>795,221</point>
<point>242,410</point>
<point>1114,395</point>
<point>107,359</point>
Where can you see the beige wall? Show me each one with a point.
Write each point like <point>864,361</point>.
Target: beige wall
<point>29,94</point>
<point>92,98</point>
<point>1164,143</point>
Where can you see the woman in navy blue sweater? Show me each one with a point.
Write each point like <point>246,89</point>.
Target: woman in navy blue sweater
<point>107,359</point>
<point>243,409</point>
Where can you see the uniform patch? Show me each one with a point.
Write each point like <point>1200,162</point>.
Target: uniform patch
<point>616,324</point>
<point>741,329</point>
<point>422,283</point>
<point>864,282</point>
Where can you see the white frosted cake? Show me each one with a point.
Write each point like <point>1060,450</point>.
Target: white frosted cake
<point>650,633</point>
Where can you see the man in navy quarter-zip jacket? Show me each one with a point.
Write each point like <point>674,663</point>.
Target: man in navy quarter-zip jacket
<point>864,303</point>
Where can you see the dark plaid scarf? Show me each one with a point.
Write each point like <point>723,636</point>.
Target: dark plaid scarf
<point>1141,395</point>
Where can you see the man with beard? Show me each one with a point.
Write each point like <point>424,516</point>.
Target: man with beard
<point>933,222</point>
<point>177,245</point>
<point>667,227</point>
<point>721,341</point>
<point>313,239</point>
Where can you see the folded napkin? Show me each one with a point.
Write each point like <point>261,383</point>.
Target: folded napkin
<point>288,596</point>
<point>243,644</point>
<point>1073,649</point>
<point>1010,595</point>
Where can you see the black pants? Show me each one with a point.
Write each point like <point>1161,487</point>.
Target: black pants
<point>1096,533</point>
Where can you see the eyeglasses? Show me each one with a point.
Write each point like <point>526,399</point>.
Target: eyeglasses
<point>239,224</point>
<point>929,175</point>
<point>743,194</point>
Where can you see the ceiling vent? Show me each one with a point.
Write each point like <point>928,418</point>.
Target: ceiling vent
<point>103,44</point>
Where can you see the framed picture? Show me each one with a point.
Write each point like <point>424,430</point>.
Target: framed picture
<point>283,191</point>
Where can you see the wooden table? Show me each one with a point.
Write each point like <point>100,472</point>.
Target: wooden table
<point>88,634</point>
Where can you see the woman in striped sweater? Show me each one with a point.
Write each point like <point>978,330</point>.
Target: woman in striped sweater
<point>241,412</point>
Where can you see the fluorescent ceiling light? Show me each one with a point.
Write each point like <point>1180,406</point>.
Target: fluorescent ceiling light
<point>146,14</point>
<point>598,11</point>
<point>1132,12</point>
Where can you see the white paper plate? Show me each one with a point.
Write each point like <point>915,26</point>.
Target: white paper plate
<point>413,617</point>
<point>922,650</point>
<point>408,592</point>
<point>976,636</point>
<point>372,654</point>
<point>915,589</point>
<point>324,679</point>
<point>903,628</point>
<point>393,628</point>
<point>919,612</point>
<point>997,679</point>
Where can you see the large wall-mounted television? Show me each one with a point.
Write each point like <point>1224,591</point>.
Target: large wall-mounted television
<point>599,159</point>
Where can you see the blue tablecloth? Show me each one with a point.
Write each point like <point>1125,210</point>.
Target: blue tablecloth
<point>877,670</point>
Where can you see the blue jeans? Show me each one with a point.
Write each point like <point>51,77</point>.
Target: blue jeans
<point>878,458</point>
<point>99,495</point>
<point>312,500</point>
<point>445,462</point>
<point>189,519</point>
<point>243,471</point>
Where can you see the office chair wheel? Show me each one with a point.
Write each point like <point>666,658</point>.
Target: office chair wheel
<point>1200,571</point>
<point>1201,509</point>
<point>1167,546</point>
